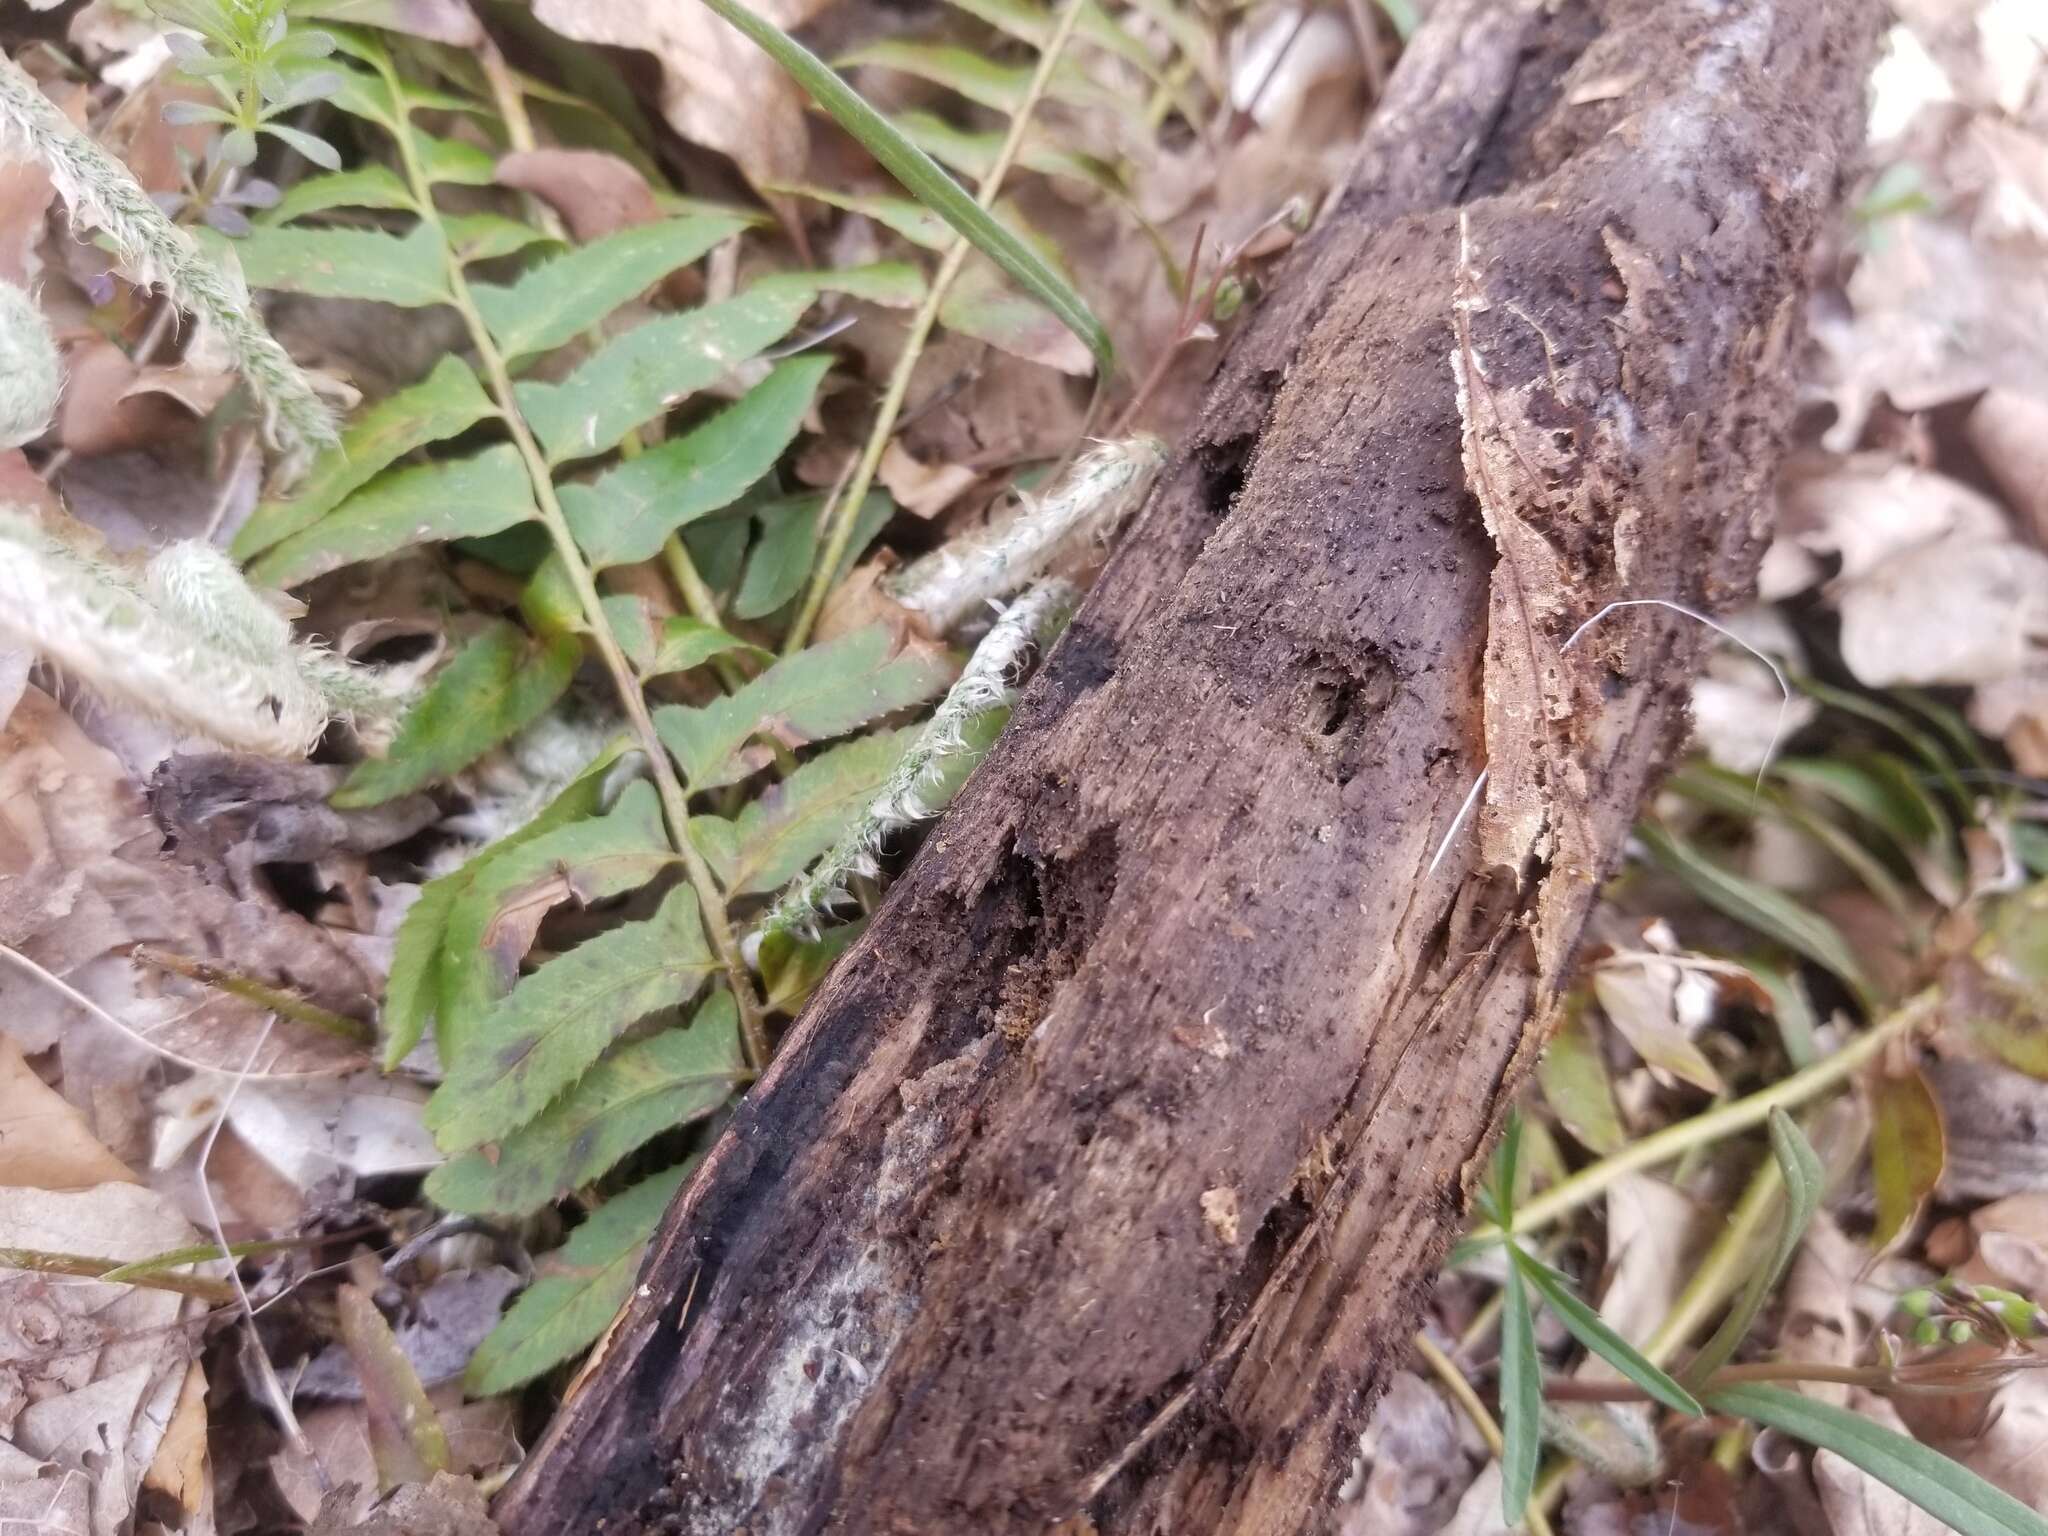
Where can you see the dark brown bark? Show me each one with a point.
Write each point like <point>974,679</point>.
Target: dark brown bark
<point>1107,1174</point>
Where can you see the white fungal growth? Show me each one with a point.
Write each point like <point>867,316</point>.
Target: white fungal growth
<point>189,642</point>
<point>99,191</point>
<point>1089,502</point>
<point>31,377</point>
<point>907,796</point>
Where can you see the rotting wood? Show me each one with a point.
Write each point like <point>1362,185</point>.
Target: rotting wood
<point>1105,1177</point>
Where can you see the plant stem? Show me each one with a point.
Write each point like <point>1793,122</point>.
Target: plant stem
<point>41,1262</point>
<point>277,1000</point>
<point>845,508</point>
<point>1723,1121</point>
<point>674,801</point>
<point>1462,1394</point>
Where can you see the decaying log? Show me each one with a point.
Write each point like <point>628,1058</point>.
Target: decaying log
<point>1104,1179</point>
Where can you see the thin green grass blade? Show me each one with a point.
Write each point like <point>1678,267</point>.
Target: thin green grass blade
<point>922,178</point>
<point>1951,1493</point>
<point>1589,1329</point>
<point>1521,1400</point>
<point>1805,1181</point>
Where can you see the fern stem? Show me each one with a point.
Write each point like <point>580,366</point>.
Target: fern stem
<point>675,804</point>
<point>99,191</point>
<point>846,506</point>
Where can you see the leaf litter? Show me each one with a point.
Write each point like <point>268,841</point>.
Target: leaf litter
<point>1894,797</point>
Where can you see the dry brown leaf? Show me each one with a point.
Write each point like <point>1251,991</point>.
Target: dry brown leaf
<point>1411,1465</point>
<point>448,1506</point>
<point>100,1368</point>
<point>924,489</point>
<point>180,1469</point>
<point>1936,316</point>
<point>111,405</point>
<point>1997,1123</point>
<point>44,1141</point>
<point>718,89</point>
<point>596,193</point>
<point>1957,611</point>
<point>1865,509</point>
<point>2010,433</point>
<point>82,877</point>
<point>1857,1504</point>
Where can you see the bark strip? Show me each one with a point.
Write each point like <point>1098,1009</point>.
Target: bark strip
<point>1106,1176</point>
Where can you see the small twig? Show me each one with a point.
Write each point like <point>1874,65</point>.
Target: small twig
<point>273,999</point>
<point>111,1271</point>
<point>72,995</point>
<point>266,1373</point>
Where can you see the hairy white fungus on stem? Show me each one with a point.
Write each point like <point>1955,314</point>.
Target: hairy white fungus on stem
<point>31,377</point>
<point>99,191</point>
<point>1090,501</point>
<point>186,640</point>
<point>984,685</point>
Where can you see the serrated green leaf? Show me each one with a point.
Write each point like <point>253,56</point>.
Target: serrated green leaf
<point>905,215</point>
<point>369,186</point>
<point>627,1099</point>
<point>1591,1330</point>
<point>1946,1490</point>
<point>791,968</point>
<point>1804,1182</point>
<point>1001,87</point>
<point>412,990</point>
<point>1573,1076</point>
<point>975,154</point>
<point>1035,24</point>
<point>677,645</point>
<point>623,516</point>
<point>686,643</point>
<point>497,685</point>
<point>779,832</point>
<point>1908,1149</point>
<point>454,163</point>
<point>585,1284</point>
<point>982,305</point>
<point>563,298</point>
<point>1771,913</point>
<point>780,561</point>
<point>494,918</point>
<point>637,376</point>
<point>556,1022</point>
<point>485,493</point>
<point>1521,1399</point>
<point>447,402</point>
<point>407,270</point>
<point>822,692</point>
<point>488,236</point>
<point>921,177</point>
